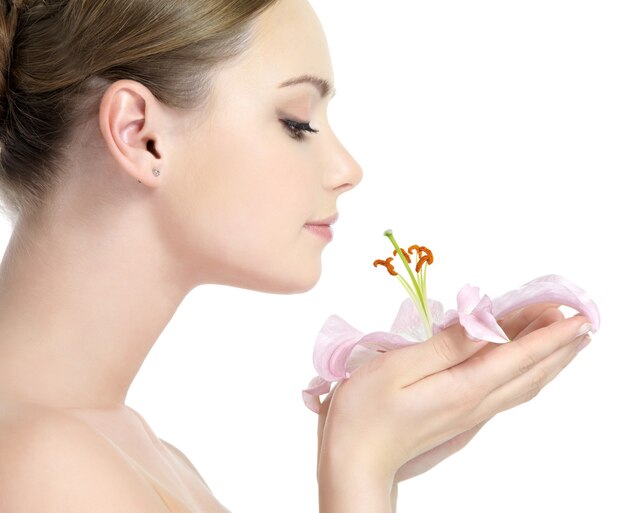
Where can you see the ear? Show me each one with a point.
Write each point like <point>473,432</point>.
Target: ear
<point>130,117</point>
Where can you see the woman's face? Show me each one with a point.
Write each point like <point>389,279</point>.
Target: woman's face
<point>248,179</point>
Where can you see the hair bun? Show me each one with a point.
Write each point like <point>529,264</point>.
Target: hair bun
<point>8,24</point>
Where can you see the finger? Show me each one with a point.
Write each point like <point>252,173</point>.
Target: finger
<point>513,359</point>
<point>544,318</point>
<point>527,386</point>
<point>515,322</point>
<point>448,348</point>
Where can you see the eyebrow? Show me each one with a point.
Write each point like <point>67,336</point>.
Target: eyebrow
<point>323,86</point>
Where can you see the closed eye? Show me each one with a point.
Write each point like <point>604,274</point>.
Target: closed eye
<point>297,129</point>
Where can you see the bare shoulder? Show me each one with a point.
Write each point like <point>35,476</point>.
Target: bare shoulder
<point>216,506</point>
<point>181,458</point>
<point>53,463</point>
<point>184,460</point>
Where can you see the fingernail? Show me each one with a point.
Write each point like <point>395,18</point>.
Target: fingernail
<point>585,328</point>
<point>583,343</point>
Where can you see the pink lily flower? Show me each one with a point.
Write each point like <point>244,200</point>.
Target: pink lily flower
<point>340,348</point>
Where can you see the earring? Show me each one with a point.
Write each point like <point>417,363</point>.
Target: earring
<point>155,172</point>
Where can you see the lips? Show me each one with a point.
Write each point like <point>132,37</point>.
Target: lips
<point>325,222</point>
<point>323,227</point>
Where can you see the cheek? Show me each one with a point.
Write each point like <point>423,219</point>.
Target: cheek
<point>264,188</point>
<point>243,212</point>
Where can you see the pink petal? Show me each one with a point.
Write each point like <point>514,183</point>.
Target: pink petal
<point>359,356</point>
<point>551,288</point>
<point>342,355</point>
<point>372,345</point>
<point>449,318</point>
<point>475,315</point>
<point>334,343</point>
<point>408,322</point>
<point>492,331</point>
<point>436,310</point>
<point>311,395</point>
<point>383,341</point>
<point>481,327</point>
<point>467,298</point>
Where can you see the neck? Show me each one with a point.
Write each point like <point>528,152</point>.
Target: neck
<point>82,301</point>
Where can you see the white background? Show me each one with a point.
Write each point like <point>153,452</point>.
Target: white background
<point>493,132</point>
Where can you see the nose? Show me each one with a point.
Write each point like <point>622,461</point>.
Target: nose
<point>344,172</point>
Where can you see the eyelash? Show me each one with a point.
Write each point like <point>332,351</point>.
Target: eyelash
<point>297,129</point>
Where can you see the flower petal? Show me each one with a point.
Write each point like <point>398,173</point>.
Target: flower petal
<point>550,288</point>
<point>481,324</point>
<point>311,395</point>
<point>408,322</point>
<point>334,343</point>
<point>467,298</point>
<point>449,318</point>
<point>436,310</point>
<point>340,350</point>
<point>484,313</point>
<point>372,345</point>
<point>475,315</point>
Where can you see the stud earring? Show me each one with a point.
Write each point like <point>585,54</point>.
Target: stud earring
<point>156,172</point>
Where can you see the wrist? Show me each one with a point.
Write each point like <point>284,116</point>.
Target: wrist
<point>347,487</point>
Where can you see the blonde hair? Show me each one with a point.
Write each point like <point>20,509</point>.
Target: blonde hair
<point>57,57</point>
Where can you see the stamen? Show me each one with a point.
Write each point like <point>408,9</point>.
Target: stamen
<point>387,263</point>
<point>416,248</point>
<point>418,292</point>
<point>426,258</point>
<point>406,255</point>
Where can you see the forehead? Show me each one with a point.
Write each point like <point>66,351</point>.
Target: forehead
<point>288,41</point>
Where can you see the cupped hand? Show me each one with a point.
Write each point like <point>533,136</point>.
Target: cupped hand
<point>407,410</point>
<point>515,325</point>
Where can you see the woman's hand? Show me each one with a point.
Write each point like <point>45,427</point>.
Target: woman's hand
<point>405,411</point>
<point>515,326</point>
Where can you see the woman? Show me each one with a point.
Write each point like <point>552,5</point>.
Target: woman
<point>146,146</point>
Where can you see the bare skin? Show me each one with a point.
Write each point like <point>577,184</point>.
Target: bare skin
<point>88,283</point>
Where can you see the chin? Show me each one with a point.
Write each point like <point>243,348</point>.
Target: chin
<point>294,287</point>
<point>298,284</point>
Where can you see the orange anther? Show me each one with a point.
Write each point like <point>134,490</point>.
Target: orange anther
<point>427,258</point>
<point>429,253</point>
<point>417,250</point>
<point>387,263</point>
<point>406,255</point>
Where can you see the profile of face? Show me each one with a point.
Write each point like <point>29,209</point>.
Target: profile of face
<point>249,177</point>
